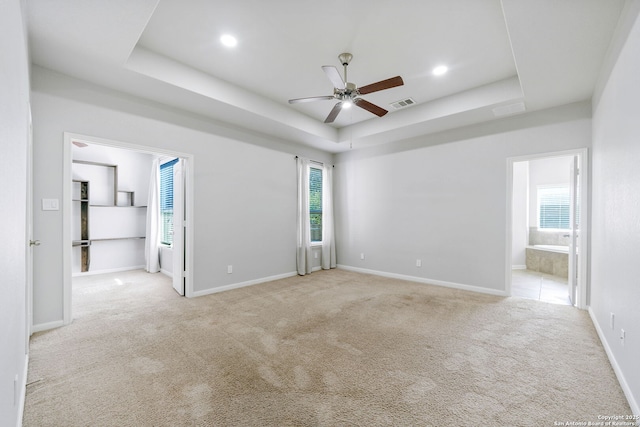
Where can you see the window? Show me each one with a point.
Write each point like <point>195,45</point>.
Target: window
<point>166,202</point>
<point>315,203</point>
<point>553,207</point>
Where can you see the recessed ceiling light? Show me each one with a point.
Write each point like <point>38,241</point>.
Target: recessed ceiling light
<point>440,70</point>
<point>228,40</point>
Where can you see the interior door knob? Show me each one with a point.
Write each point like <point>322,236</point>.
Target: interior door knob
<point>34,242</point>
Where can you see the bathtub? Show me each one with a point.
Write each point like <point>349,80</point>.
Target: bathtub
<point>550,259</point>
<point>551,248</point>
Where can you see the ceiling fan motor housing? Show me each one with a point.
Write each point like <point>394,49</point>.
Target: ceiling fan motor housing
<point>345,58</point>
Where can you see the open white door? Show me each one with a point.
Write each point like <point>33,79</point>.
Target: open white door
<point>30,239</point>
<point>179,173</point>
<point>574,227</point>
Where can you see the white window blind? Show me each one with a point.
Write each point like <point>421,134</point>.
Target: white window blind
<point>315,203</point>
<point>553,207</point>
<point>166,202</point>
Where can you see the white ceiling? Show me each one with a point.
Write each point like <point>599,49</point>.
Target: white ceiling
<point>540,53</point>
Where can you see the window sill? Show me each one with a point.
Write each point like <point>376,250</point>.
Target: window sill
<point>316,244</point>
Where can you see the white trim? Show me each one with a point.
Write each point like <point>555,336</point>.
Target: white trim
<point>166,272</point>
<point>518,267</point>
<point>23,391</point>
<point>243,284</point>
<point>316,268</point>
<point>67,208</point>
<point>110,270</point>
<point>583,247</point>
<point>635,406</point>
<point>470,288</point>
<point>46,326</point>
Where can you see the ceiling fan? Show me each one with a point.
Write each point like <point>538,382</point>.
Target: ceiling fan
<point>348,93</point>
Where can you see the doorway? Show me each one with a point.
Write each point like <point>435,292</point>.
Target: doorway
<point>113,238</point>
<point>546,250</point>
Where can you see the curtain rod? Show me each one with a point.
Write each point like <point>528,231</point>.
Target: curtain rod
<point>320,163</point>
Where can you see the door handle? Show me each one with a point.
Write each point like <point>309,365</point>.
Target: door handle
<point>34,242</point>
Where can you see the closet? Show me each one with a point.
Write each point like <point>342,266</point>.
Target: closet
<point>109,192</point>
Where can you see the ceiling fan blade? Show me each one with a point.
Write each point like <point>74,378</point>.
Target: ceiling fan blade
<point>381,85</point>
<point>334,113</point>
<point>310,99</point>
<point>373,108</point>
<point>334,76</point>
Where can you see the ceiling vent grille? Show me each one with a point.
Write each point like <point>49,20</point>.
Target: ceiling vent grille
<point>506,110</point>
<point>403,103</point>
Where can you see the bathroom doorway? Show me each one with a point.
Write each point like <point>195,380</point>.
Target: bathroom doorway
<point>545,240</point>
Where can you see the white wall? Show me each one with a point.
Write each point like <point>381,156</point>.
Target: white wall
<point>244,198</point>
<point>14,131</point>
<point>442,198</point>
<point>615,234</point>
<point>519,214</point>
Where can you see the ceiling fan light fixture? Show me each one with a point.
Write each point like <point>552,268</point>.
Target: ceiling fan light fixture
<point>440,70</point>
<point>228,40</point>
<point>346,104</point>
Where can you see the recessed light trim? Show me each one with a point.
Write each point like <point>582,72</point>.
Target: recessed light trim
<point>440,70</point>
<point>228,40</point>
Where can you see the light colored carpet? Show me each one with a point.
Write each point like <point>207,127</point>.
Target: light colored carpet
<point>331,348</point>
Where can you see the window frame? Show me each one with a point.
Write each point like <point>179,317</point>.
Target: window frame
<point>538,206</point>
<point>320,169</point>
<point>166,165</point>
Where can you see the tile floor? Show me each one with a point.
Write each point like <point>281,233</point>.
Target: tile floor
<point>539,286</point>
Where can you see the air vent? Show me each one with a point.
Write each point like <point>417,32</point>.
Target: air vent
<point>506,110</point>
<point>403,103</point>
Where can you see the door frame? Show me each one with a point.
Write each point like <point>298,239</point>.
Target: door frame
<point>582,285</point>
<point>67,209</point>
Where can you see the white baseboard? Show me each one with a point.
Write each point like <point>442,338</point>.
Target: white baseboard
<point>166,272</point>
<point>23,391</point>
<point>46,326</point>
<point>635,406</point>
<point>110,270</point>
<point>243,284</point>
<point>461,286</point>
<point>518,267</point>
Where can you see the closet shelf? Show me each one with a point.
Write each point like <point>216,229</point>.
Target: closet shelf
<point>117,238</point>
<point>115,206</point>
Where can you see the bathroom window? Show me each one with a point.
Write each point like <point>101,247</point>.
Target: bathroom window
<point>553,207</point>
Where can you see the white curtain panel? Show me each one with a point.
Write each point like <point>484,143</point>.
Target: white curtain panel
<point>151,246</point>
<point>328,234</point>
<point>303,255</point>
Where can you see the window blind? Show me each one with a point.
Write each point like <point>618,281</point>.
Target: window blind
<point>315,203</point>
<point>166,202</point>
<point>554,207</point>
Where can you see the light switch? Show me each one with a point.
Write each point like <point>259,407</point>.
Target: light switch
<point>50,205</point>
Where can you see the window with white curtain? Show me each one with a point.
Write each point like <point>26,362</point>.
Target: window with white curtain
<point>166,202</point>
<point>554,207</point>
<point>315,204</point>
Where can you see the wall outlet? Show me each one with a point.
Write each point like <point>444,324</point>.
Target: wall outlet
<point>622,336</point>
<point>229,269</point>
<point>418,263</point>
<point>362,255</point>
<point>611,320</point>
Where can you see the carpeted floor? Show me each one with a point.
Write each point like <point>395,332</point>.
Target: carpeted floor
<point>333,348</point>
